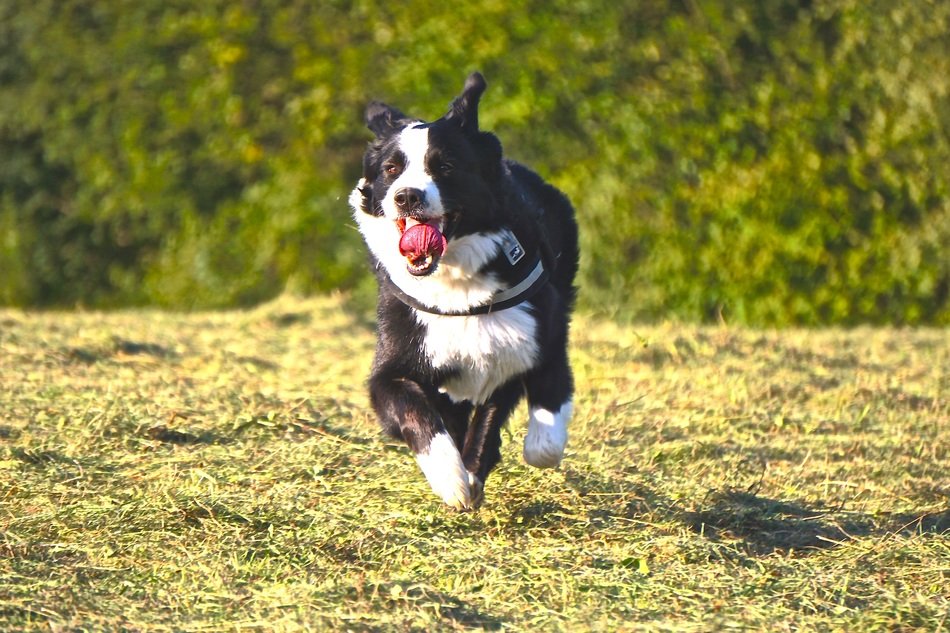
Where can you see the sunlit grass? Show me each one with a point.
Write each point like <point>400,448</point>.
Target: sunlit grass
<point>162,471</point>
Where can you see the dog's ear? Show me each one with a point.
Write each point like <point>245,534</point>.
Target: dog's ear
<point>464,110</point>
<point>362,197</point>
<point>384,120</point>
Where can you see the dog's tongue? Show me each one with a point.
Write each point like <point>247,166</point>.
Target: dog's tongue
<point>421,240</point>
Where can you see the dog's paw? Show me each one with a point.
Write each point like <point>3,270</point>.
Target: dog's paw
<point>547,436</point>
<point>442,465</point>
<point>477,489</point>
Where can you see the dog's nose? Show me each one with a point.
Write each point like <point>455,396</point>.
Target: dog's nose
<point>409,198</point>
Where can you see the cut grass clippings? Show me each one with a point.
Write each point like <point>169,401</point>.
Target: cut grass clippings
<point>222,471</point>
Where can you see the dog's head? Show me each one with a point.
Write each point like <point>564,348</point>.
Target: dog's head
<point>425,186</point>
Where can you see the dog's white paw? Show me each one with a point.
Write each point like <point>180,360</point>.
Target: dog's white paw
<point>547,436</point>
<point>442,465</point>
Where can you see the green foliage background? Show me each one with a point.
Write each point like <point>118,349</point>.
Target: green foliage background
<point>773,163</point>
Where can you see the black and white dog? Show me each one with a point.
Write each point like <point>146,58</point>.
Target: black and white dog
<point>475,256</point>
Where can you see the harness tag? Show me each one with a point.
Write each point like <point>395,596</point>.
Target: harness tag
<point>514,251</point>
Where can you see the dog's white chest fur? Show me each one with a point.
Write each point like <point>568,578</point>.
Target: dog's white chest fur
<point>487,349</point>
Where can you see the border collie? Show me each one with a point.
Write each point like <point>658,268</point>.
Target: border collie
<point>475,257</point>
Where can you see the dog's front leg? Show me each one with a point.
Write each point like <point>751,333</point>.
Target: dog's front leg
<point>550,403</point>
<point>406,411</point>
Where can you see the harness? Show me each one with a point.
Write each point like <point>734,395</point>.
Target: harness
<point>532,275</point>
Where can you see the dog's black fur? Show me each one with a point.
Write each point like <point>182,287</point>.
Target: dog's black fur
<point>447,364</point>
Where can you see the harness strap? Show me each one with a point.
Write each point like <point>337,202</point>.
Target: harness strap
<point>508,298</point>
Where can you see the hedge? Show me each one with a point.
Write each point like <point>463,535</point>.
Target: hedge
<point>770,163</point>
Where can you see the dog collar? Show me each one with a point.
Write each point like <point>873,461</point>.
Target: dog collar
<point>529,286</point>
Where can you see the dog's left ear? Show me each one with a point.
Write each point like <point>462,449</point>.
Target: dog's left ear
<point>464,110</point>
<point>384,120</point>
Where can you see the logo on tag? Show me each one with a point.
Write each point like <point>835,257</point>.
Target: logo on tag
<point>514,251</point>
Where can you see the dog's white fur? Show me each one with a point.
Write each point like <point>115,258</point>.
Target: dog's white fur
<point>487,349</point>
<point>442,465</point>
<point>547,436</point>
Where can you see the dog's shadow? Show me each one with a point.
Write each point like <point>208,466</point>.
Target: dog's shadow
<point>769,525</point>
<point>762,526</point>
<point>766,526</point>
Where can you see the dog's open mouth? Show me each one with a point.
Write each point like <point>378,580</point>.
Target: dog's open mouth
<point>421,243</point>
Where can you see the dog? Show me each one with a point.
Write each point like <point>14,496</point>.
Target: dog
<point>475,257</point>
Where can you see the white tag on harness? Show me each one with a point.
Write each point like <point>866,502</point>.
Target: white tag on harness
<point>514,251</point>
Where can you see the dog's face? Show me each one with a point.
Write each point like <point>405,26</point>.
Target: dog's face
<point>428,189</point>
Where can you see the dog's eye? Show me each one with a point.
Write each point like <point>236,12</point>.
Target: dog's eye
<point>442,168</point>
<point>391,169</point>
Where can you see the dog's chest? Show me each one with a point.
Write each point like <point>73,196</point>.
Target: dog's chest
<point>485,350</point>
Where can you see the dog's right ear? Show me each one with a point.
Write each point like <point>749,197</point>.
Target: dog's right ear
<point>362,197</point>
<point>384,120</point>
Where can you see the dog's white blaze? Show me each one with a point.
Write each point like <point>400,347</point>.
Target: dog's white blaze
<point>547,436</point>
<point>486,349</point>
<point>442,465</point>
<point>414,144</point>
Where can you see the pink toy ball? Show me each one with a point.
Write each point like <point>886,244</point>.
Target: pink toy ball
<point>422,240</point>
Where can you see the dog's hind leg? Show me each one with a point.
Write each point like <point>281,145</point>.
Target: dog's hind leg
<point>405,410</point>
<point>455,417</point>
<point>550,404</point>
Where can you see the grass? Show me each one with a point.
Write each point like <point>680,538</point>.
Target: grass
<point>222,472</point>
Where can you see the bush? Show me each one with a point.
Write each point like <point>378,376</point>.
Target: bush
<point>768,163</point>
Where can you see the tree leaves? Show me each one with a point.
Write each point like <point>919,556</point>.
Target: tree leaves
<point>774,164</point>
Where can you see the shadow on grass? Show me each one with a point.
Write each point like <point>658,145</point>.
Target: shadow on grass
<point>162,433</point>
<point>452,608</point>
<point>769,525</point>
<point>761,525</point>
<point>933,523</point>
<point>451,611</point>
<point>119,347</point>
<point>538,514</point>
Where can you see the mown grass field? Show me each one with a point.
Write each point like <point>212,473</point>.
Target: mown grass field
<point>221,471</point>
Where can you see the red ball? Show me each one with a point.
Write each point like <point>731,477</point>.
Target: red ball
<point>422,240</point>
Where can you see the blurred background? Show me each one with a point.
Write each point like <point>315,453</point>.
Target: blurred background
<point>773,163</point>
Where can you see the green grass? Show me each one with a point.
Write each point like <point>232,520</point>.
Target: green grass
<point>223,472</point>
